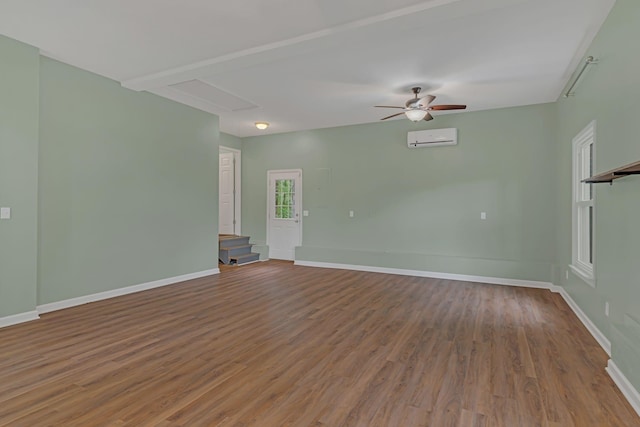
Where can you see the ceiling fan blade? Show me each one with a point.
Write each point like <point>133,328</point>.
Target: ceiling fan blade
<point>447,107</point>
<point>426,100</point>
<point>393,115</point>
<point>387,106</point>
<point>428,117</point>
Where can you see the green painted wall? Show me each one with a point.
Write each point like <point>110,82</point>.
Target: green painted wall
<point>608,93</point>
<point>18,176</point>
<point>128,186</point>
<point>420,208</point>
<point>230,141</point>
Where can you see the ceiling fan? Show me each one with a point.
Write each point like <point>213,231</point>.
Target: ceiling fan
<point>417,109</point>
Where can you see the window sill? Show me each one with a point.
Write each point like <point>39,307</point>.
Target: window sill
<point>586,277</point>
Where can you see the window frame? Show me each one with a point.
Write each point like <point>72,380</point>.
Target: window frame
<point>583,205</point>
<point>286,196</point>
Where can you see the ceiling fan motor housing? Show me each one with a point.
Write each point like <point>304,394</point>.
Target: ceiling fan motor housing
<point>414,103</point>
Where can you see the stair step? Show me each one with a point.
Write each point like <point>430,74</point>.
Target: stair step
<point>236,248</point>
<point>225,254</point>
<point>229,240</point>
<point>245,258</point>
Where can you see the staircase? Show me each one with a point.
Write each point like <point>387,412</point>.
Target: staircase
<point>235,249</point>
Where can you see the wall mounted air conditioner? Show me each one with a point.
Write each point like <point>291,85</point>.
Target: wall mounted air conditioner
<point>432,138</point>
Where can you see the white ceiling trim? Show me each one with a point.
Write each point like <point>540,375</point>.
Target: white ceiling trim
<point>207,67</point>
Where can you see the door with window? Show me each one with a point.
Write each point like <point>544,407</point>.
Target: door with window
<point>284,209</point>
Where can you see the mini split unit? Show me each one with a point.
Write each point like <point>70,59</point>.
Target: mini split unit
<point>432,138</point>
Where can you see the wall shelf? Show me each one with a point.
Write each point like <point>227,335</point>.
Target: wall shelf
<point>621,172</point>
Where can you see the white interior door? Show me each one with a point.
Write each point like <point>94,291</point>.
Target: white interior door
<point>284,219</point>
<point>226,194</point>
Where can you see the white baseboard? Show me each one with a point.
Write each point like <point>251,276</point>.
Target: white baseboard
<point>18,318</point>
<point>624,385</point>
<point>591,327</point>
<point>432,274</point>
<point>47,308</point>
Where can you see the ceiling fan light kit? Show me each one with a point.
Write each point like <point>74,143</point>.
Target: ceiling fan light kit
<point>415,115</point>
<point>417,109</point>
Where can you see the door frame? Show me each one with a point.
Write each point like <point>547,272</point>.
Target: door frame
<point>275,171</point>
<point>237,184</point>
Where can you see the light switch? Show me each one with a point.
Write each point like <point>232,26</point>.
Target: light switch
<point>5,213</point>
<point>305,213</point>
<point>483,215</point>
<point>351,214</point>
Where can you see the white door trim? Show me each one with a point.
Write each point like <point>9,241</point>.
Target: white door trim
<point>276,171</point>
<point>237,157</point>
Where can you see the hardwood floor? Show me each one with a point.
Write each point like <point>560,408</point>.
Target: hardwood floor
<point>272,344</point>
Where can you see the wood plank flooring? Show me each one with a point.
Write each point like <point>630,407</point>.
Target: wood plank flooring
<point>272,344</point>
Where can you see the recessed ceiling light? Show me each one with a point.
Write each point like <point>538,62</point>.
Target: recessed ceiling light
<point>262,125</point>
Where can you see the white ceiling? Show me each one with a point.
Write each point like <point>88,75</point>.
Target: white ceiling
<point>306,64</point>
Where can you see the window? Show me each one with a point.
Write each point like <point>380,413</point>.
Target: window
<point>285,200</point>
<point>583,206</point>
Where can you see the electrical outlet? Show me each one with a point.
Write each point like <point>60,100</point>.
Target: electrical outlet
<point>351,214</point>
<point>5,213</point>
<point>483,215</point>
